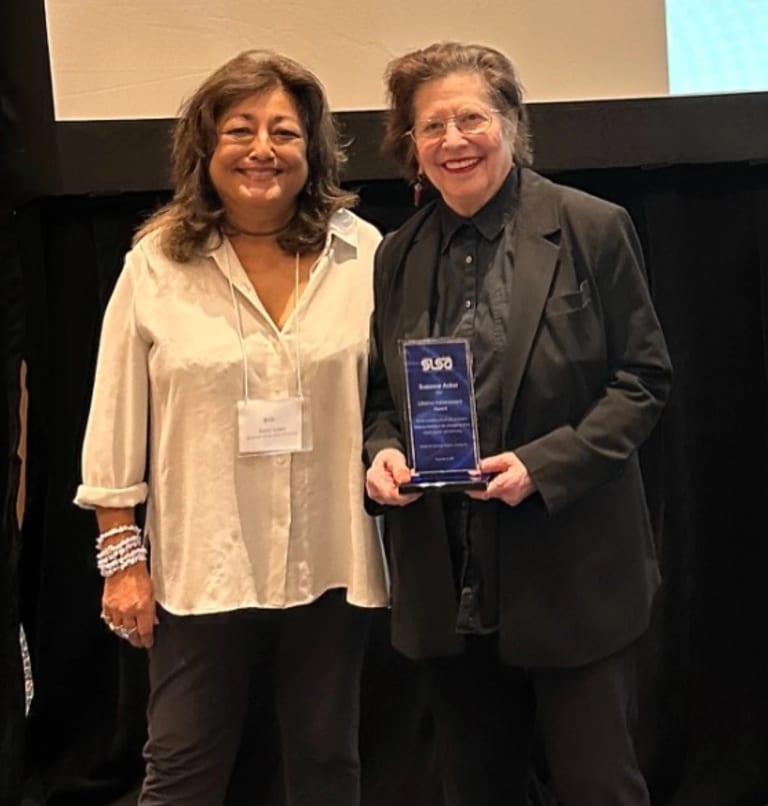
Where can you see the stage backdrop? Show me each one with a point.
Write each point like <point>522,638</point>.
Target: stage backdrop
<point>83,129</point>
<point>703,705</point>
<point>91,112</point>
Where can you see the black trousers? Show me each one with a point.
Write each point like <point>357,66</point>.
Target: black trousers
<point>486,714</point>
<point>203,671</point>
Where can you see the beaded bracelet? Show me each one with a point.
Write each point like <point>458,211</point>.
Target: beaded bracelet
<point>116,530</point>
<point>132,557</point>
<point>121,555</point>
<point>116,549</point>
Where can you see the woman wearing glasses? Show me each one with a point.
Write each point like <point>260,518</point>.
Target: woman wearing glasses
<point>525,599</point>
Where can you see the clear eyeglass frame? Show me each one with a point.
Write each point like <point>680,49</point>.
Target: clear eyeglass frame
<point>472,120</point>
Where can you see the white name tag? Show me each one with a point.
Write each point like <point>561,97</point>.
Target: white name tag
<point>270,426</point>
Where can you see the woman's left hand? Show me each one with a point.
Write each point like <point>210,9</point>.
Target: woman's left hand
<point>511,484</point>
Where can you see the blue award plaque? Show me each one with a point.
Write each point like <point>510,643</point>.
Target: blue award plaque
<point>441,416</point>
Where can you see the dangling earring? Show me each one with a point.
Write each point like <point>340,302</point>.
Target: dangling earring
<point>418,187</point>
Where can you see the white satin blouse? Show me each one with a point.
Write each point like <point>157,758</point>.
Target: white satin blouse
<point>227,531</point>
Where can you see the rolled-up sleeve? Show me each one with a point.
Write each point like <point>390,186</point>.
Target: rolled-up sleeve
<point>115,444</point>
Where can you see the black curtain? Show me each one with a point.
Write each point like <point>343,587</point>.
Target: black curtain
<point>702,708</point>
<point>14,174</point>
<point>12,697</point>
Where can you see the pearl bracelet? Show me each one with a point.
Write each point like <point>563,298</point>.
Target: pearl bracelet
<point>131,557</point>
<point>116,549</point>
<point>121,555</point>
<point>116,530</point>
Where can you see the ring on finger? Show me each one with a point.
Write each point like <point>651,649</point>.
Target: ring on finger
<point>123,632</point>
<point>119,630</point>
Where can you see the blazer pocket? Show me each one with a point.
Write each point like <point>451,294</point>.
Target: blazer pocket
<point>569,303</point>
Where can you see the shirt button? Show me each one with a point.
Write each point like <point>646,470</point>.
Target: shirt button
<point>468,303</point>
<point>468,259</point>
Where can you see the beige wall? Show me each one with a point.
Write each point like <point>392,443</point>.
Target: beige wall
<point>138,58</point>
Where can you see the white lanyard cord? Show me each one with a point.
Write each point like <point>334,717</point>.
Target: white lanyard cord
<point>241,338</point>
<point>297,316</point>
<point>239,328</point>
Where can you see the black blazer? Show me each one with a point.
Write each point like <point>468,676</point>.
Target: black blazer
<point>586,375</point>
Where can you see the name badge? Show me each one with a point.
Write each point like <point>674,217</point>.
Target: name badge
<point>270,426</point>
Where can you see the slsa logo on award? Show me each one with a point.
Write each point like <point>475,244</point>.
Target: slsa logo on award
<point>436,364</point>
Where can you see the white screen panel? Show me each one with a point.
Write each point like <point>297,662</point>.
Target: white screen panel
<point>139,58</point>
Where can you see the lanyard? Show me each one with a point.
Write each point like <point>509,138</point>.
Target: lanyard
<point>240,336</point>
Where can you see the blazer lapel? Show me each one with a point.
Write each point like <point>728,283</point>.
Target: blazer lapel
<point>419,269</point>
<point>535,255</point>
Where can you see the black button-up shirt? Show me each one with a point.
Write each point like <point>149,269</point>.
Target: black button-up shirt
<point>472,289</point>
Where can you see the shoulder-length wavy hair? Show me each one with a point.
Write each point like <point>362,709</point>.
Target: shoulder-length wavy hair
<point>195,212</point>
<point>407,73</point>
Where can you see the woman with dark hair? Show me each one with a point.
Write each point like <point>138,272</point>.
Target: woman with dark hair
<point>228,395</point>
<point>524,599</point>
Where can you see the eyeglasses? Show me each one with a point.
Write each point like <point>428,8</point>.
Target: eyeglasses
<point>471,120</point>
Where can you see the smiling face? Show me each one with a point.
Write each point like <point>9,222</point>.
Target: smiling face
<point>259,165</point>
<point>467,169</point>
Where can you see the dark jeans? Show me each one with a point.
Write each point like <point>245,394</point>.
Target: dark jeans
<point>202,672</point>
<point>486,713</point>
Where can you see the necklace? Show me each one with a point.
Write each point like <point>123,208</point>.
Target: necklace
<point>232,229</point>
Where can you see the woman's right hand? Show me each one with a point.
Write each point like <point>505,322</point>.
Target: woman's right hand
<point>129,602</point>
<point>388,470</point>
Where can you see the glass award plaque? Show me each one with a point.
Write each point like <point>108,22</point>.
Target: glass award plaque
<point>441,416</point>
